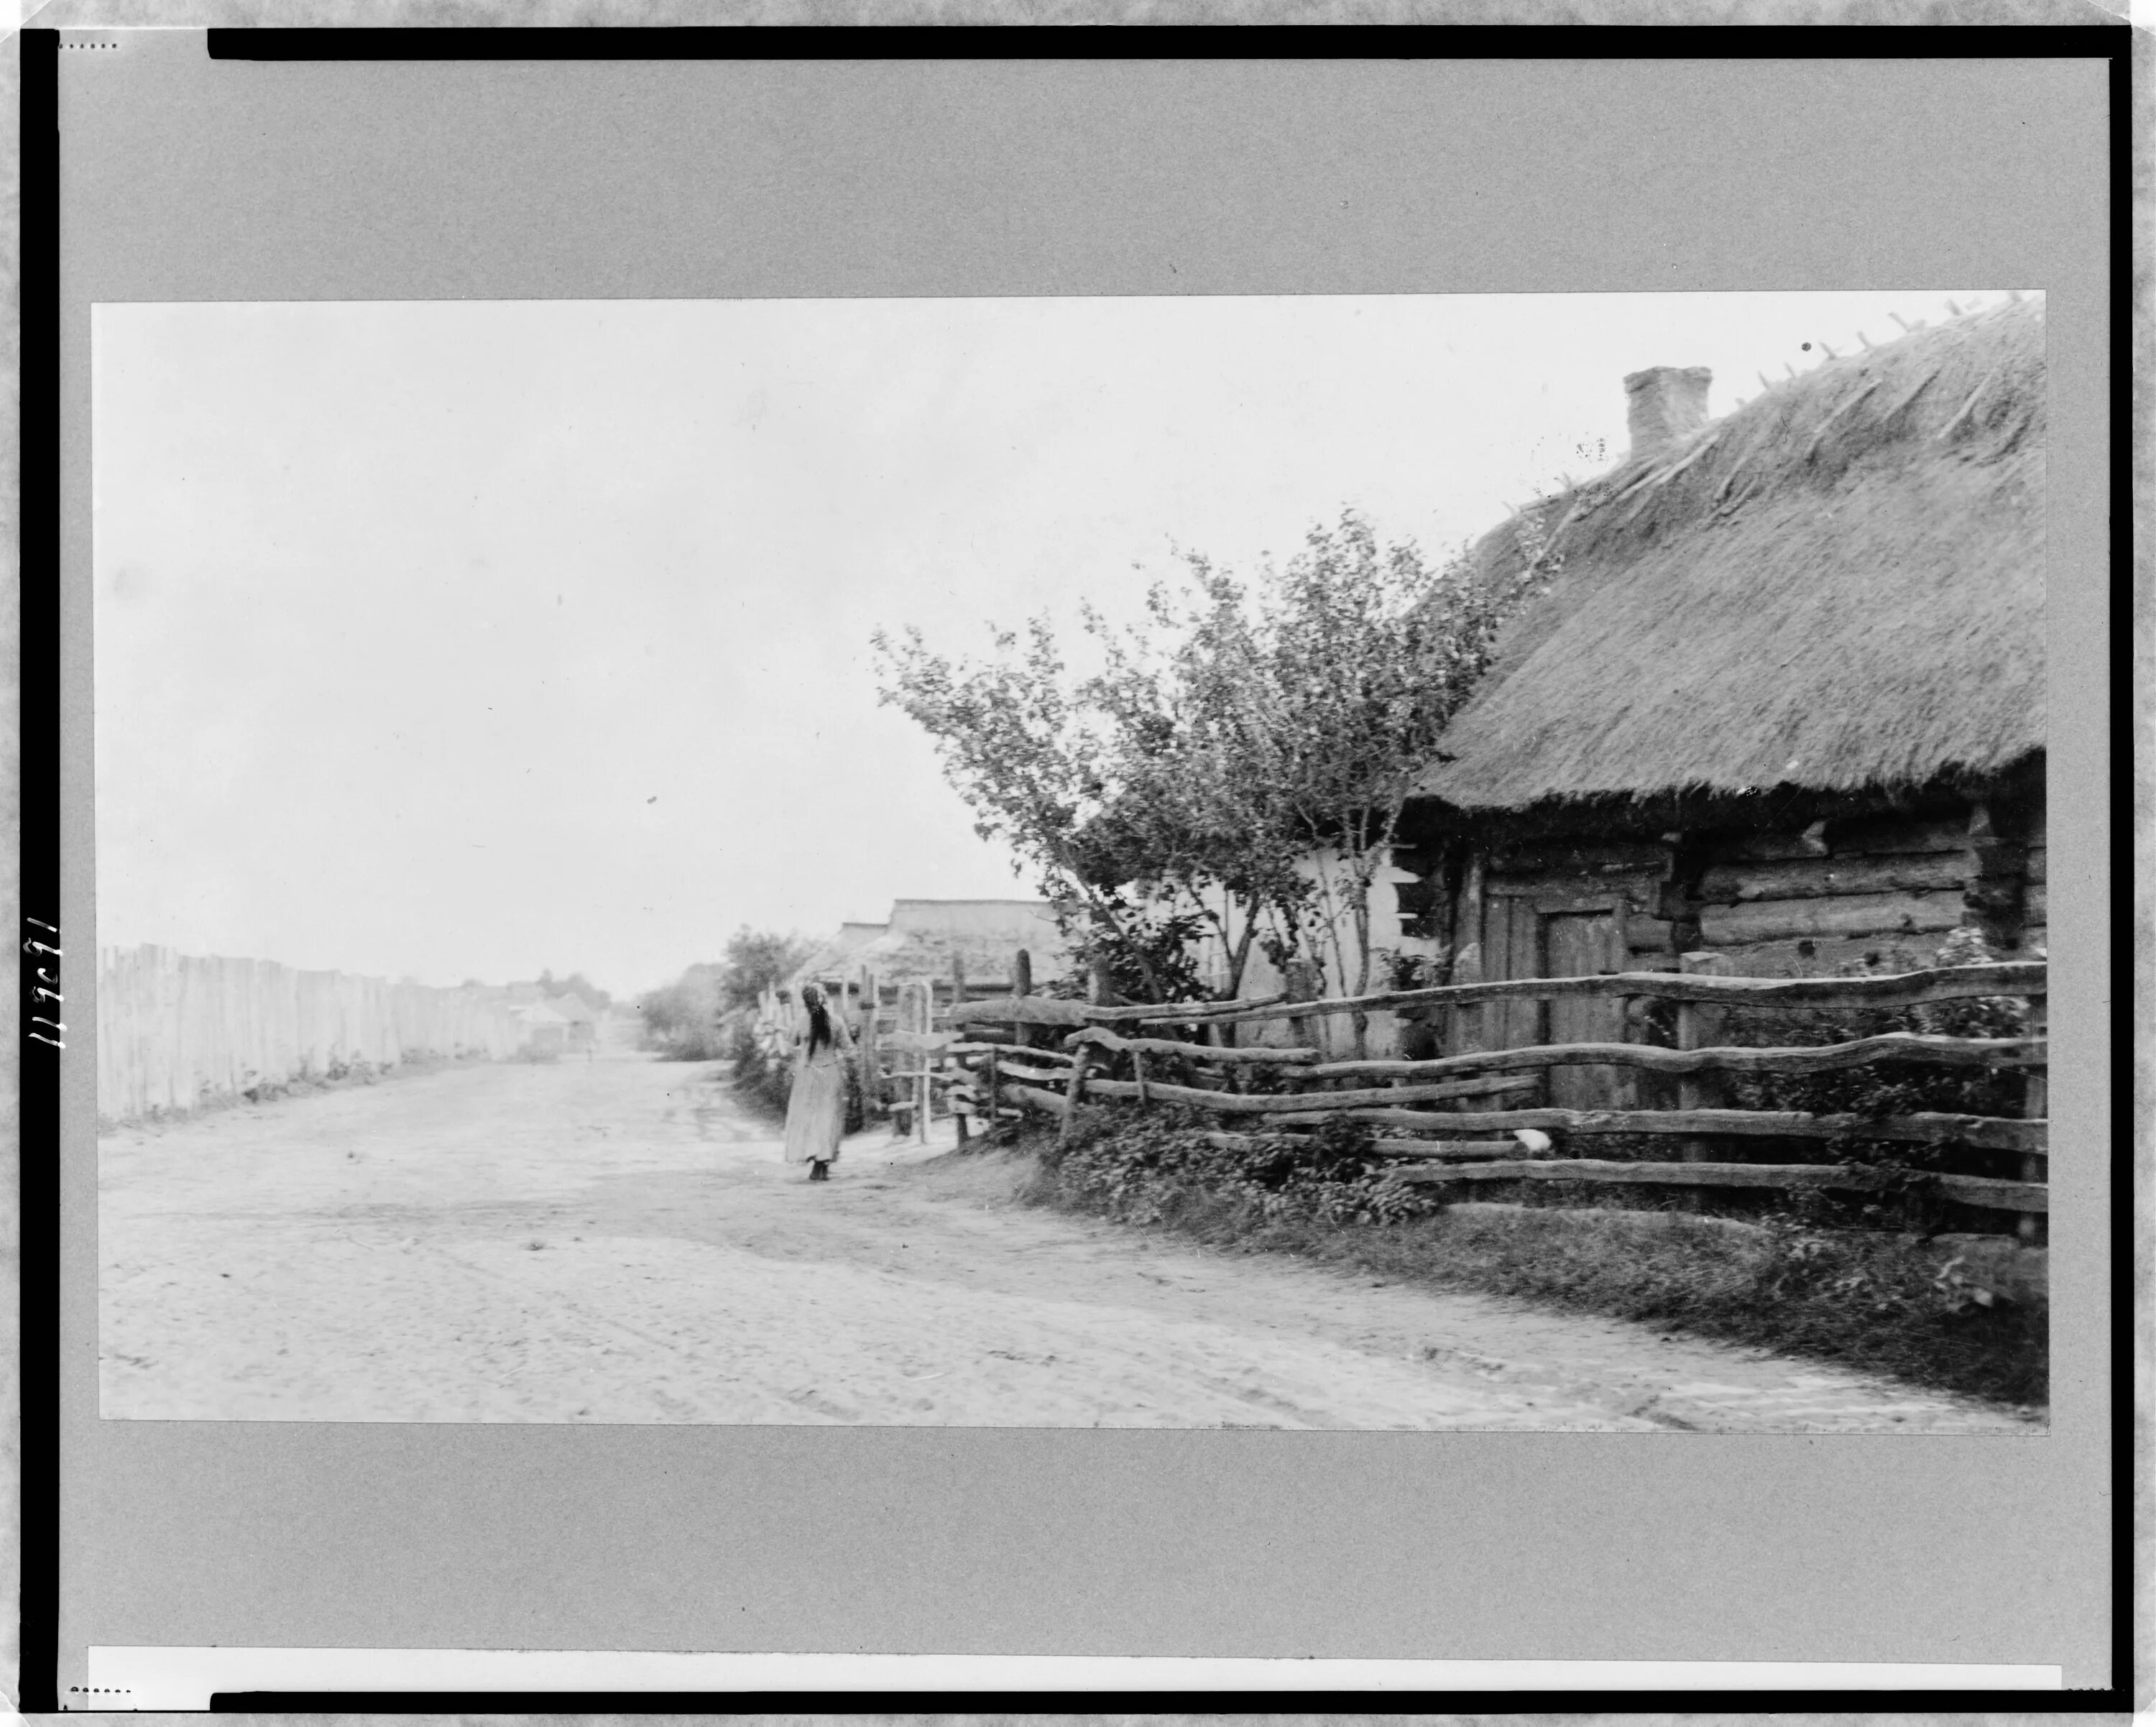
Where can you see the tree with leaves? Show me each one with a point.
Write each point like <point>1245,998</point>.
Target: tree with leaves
<point>1239,762</point>
<point>755,960</point>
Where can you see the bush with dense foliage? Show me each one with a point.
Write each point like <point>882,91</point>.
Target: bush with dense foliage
<point>1139,1167</point>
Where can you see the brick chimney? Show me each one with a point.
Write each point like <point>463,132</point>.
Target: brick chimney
<point>1665,402</point>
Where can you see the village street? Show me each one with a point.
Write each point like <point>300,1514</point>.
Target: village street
<point>614,1240</point>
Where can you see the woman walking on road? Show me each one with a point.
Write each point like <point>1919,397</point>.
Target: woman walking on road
<point>816,1108</point>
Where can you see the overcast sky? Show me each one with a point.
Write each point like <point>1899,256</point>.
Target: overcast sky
<point>450,639</point>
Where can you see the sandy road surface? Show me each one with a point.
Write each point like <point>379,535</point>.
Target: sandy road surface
<point>613,1241</point>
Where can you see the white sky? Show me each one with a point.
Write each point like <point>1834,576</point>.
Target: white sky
<point>449,640</point>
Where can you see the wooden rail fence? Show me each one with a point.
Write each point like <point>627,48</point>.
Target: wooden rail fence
<point>1475,1144</point>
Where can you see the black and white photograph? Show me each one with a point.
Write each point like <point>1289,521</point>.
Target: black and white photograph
<point>1416,861</point>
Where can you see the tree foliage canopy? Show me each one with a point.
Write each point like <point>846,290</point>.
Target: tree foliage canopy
<point>1234,763</point>
<point>683,1017</point>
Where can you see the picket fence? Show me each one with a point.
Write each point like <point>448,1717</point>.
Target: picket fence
<point>176,1030</point>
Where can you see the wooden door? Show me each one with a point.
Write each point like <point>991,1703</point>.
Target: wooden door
<point>1580,944</point>
<point>1511,949</point>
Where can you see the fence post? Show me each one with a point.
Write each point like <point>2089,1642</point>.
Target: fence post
<point>920,1091</point>
<point>2033,1229</point>
<point>872,1100</point>
<point>1700,1025</point>
<point>1303,980</point>
<point>1021,983</point>
<point>1070,1098</point>
<point>1464,1026</point>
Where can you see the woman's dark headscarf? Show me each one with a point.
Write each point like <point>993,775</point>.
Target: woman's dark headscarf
<point>819,1020</point>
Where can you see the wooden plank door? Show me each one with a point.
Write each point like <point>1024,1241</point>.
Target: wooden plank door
<point>1581,944</point>
<point>1511,949</point>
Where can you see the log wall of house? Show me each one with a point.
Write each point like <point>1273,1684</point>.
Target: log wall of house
<point>1882,891</point>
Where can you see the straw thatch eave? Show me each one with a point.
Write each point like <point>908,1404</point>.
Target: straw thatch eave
<point>1836,592</point>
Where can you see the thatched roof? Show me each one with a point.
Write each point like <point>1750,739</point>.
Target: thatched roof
<point>1838,587</point>
<point>922,937</point>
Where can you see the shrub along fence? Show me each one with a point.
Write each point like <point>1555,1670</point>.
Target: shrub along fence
<point>1474,1117</point>
<point>176,1031</point>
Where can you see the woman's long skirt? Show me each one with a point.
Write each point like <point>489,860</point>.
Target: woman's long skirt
<point>816,1112</point>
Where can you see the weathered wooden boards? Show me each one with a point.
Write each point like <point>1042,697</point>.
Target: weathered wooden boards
<point>1051,1011</point>
<point>1914,989</point>
<point>1988,1132</point>
<point>1852,914</point>
<point>920,1042</point>
<point>1900,989</point>
<point>1970,1189</point>
<point>1460,1149</point>
<point>1262,1055</point>
<point>1808,1058</point>
<point>1821,878</point>
<point>1287,1103</point>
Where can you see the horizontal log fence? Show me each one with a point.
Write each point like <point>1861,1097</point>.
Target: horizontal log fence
<point>1918,988</point>
<point>1261,1057</point>
<point>1288,1102</point>
<point>1466,1146</point>
<point>1819,1058</point>
<point>1405,1149</point>
<point>1993,1195</point>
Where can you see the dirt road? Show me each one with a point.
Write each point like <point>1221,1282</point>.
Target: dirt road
<point>614,1241</point>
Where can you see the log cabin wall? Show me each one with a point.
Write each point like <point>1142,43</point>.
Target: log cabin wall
<point>1882,891</point>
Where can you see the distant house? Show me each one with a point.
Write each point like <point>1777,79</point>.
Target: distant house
<point>1783,703</point>
<point>545,1027</point>
<point>835,955</point>
<point>922,938</point>
<point>582,1024</point>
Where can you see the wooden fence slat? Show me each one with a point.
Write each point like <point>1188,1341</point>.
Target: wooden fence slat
<point>1992,1132</point>
<point>1254,1056</point>
<point>2023,978</point>
<point>1014,1068</point>
<point>1814,1058</point>
<point>920,1042</point>
<point>1434,1148</point>
<point>1053,1010</point>
<point>1024,1052</point>
<point>1916,989</point>
<point>1969,1189</point>
<point>1251,1103</point>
